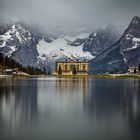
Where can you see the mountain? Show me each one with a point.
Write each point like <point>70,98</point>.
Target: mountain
<point>125,52</point>
<point>38,49</point>
<point>19,44</point>
<point>31,46</point>
<point>101,39</point>
<point>130,43</point>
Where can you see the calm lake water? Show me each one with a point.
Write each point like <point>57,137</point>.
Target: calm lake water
<point>69,109</point>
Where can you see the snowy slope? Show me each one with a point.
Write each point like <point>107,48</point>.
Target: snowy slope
<point>60,48</point>
<point>135,44</point>
<point>10,41</point>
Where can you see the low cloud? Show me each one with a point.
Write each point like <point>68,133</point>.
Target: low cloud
<point>70,13</point>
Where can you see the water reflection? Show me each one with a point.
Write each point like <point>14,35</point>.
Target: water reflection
<point>74,108</point>
<point>18,103</point>
<point>72,85</point>
<point>116,103</point>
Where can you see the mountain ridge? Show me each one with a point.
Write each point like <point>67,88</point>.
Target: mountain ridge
<point>36,48</point>
<point>126,45</point>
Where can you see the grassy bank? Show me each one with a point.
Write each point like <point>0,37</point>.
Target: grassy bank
<point>16,76</point>
<point>6,76</point>
<point>128,76</point>
<point>115,76</point>
<point>21,76</point>
<point>24,75</point>
<point>101,76</point>
<point>69,76</point>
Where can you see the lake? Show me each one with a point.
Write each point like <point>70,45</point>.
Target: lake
<point>69,109</point>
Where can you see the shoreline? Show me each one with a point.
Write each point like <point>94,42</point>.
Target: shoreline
<point>115,76</point>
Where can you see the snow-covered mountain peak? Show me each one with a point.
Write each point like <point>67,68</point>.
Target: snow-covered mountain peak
<point>13,38</point>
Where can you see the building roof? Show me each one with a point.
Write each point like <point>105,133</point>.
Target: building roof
<point>72,61</point>
<point>8,70</point>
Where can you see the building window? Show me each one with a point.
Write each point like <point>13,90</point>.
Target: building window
<point>71,67</point>
<point>77,67</point>
<point>84,66</point>
<point>66,67</point>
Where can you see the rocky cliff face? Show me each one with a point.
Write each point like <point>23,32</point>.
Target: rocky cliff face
<point>20,44</point>
<point>130,43</point>
<point>110,61</point>
<point>100,40</point>
<point>126,52</point>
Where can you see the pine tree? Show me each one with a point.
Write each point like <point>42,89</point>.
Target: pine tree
<point>139,68</point>
<point>74,70</point>
<point>135,71</point>
<point>7,62</point>
<point>59,70</point>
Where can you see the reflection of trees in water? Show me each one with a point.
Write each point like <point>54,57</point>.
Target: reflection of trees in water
<point>107,98</point>
<point>18,101</point>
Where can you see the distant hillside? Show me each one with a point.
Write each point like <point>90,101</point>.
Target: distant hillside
<point>6,62</point>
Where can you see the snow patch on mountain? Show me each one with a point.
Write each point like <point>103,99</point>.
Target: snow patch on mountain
<point>129,36</point>
<point>136,42</point>
<point>60,48</point>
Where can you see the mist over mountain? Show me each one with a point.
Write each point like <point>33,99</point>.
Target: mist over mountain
<point>55,14</point>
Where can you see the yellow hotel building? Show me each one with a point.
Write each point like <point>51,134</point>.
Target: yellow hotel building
<point>67,67</point>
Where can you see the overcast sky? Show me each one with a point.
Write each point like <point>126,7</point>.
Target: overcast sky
<point>80,13</point>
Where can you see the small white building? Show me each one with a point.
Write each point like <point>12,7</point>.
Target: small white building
<point>9,71</point>
<point>133,69</point>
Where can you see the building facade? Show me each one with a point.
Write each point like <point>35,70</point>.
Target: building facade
<point>72,68</point>
<point>132,70</point>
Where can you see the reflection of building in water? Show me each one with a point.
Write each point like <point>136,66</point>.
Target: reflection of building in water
<point>18,99</point>
<point>116,100</point>
<point>72,85</point>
